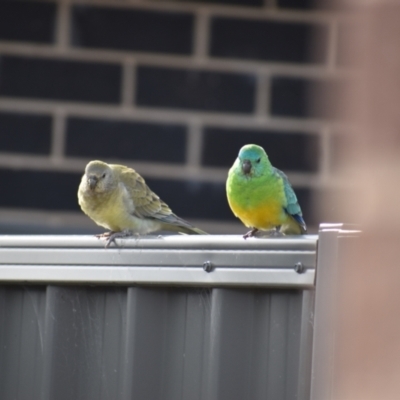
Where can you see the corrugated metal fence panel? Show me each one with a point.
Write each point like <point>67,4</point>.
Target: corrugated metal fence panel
<point>154,342</point>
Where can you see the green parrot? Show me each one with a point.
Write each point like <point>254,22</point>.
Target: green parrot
<point>261,196</point>
<point>117,198</point>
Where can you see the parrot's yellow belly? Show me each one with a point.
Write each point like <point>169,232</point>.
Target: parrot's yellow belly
<point>264,216</point>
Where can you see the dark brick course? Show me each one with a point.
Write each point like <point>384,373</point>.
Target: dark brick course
<point>267,40</point>
<point>132,29</point>
<point>41,190</point>
<point>27,21</point>
<point>25,133</point>
<point>59,79</point>
<point>126,140</point>
<point>195,89</point>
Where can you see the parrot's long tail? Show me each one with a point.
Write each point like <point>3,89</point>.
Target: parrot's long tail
<point>194,231</point>
<point>175,223</point>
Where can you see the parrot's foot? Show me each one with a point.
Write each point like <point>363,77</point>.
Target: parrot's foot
<point>116,235</point>
<point>111,236</point>
<point>250,233</point>
<point>104,235</point>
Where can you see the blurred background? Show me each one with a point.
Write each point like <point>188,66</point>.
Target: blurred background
<point>172,89</point>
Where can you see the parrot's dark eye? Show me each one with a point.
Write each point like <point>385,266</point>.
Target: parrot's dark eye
<point>258,160</point>
<point>104,175</point>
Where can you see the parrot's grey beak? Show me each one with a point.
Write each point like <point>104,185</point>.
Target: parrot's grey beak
<point>92,182</point>
<point>246,167</point>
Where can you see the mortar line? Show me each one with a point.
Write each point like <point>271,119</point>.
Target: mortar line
<point>128,90</point>
<point>63,25</point>
<point>58,136</point>
<point>194,144</point>
<point>262,105</point>
<point>201,35</point>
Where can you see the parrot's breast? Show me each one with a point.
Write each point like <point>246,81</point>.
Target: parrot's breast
<point>258,203</point>
<point>106,209</point>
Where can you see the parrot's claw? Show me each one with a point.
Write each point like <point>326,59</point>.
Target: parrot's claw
<point>250,233</point>
<point>104,235</point>
<point>111,236</point>
<point>116,235</point>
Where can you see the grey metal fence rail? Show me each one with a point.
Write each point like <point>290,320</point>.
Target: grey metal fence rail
<point>178,317</point>
<point>177,260</point>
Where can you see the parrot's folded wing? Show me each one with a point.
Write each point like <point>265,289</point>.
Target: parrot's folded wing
<point>292,205</point>
<point>147,204</point>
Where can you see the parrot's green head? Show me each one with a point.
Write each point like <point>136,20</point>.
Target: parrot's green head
<point>99,177</point>
<point>253,161</point>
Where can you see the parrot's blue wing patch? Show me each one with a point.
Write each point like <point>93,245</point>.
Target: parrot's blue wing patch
<point>292,205</point>
<point>300,221</point>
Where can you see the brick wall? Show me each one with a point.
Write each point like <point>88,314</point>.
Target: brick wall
<point>173,89</point>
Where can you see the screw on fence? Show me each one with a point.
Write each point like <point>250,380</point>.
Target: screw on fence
<point>207,266</point>
<point>299,268</point>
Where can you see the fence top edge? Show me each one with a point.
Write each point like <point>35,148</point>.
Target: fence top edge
<point>173,242</point>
